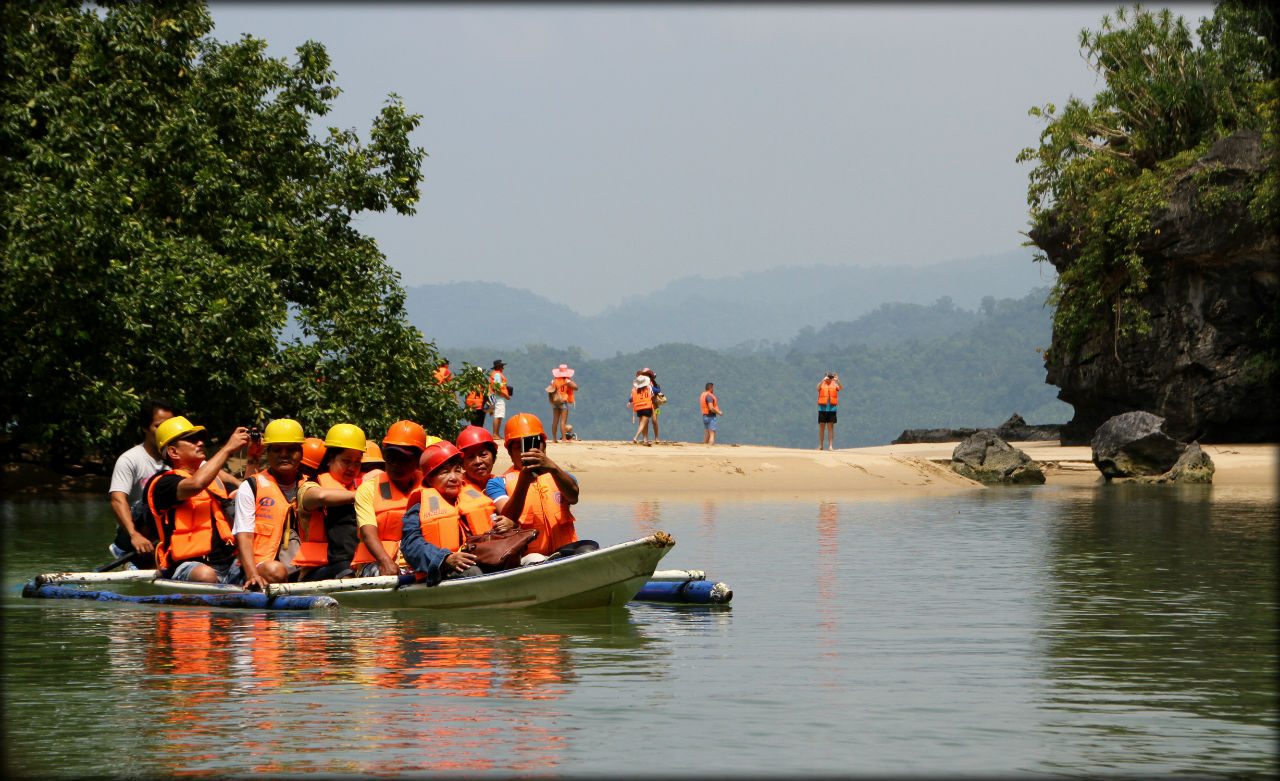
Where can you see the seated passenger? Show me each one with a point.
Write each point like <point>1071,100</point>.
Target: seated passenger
<point>132,471</point>
<point>537,493</point>
<point>478,454</point>
<point>195,542</point>
<point>326,507</point>
<point>382,499</point>
<point>265,508</point>
<point>433,527</point>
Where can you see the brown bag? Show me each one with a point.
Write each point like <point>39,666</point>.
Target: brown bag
<point>553,395</point>
<point>496,551</point>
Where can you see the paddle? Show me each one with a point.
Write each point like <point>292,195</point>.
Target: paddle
<point>125,559</point>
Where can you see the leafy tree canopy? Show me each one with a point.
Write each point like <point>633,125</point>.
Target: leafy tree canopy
<point>167,213</point>
<point>1102,168</point>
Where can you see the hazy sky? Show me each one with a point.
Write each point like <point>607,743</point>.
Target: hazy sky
<point>592,152</point>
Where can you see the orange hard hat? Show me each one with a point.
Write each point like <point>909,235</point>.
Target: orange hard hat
<point>436,455</point>
<point>312,451</point>
<point>372,453</point>
<point>523,425</point>
<point>406,433</point>
<point>476,435</point>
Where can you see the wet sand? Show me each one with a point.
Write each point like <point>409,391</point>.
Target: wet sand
<point>756,472</point>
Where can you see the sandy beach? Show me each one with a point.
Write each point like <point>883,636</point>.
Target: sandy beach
<point>685,470</point>
<point>759,472</point>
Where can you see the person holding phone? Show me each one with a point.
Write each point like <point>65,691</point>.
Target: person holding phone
<point>828,397</point>
<point>537,493</point>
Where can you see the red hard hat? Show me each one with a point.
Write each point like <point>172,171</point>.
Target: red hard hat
<point>436,454</point>
<point>475,435</point>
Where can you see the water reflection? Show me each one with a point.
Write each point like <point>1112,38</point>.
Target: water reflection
<point>828,552</point>
<point>1162,604</point>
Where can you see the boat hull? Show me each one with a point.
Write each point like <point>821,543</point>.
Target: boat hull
<point>609,577</point>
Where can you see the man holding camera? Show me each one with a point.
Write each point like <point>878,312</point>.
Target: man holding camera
<point>828,397</point>
<point>536,492</point>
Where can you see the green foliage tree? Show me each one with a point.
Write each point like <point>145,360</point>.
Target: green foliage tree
<point>168,217</point>
<point>1103,168</point>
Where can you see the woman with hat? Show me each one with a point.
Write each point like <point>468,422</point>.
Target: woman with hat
<point>499,392</point>
<point>560,391</point>
<point>641,404</point>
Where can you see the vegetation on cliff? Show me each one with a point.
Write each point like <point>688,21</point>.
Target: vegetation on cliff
<point>166,213</point>
<point>1104,168</point>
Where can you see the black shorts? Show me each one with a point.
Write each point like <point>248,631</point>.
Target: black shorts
<point>644,413</point>
<point>826,416</point>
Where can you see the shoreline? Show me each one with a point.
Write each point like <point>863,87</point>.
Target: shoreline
<point>688,471</point>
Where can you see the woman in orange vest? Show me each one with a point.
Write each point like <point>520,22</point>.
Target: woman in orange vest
<point>266,508</point>
<point>641,404</point>
<point>435,524</point>
<point>479,452</point>
<point>327,517</point>
<point>536,492</point>
<point>195,541</point>
<point>562,387</point>
<point>382,500</point>
<point>828,397</point>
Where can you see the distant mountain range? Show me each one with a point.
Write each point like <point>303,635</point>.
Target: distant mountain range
<point>746,311</point>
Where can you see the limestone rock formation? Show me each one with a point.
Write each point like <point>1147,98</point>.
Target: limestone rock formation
<point>1015,429</point>
<point>1214,275</point>
<point>1193,466</point>
<point>1134,443</point>
<point>988,459</point>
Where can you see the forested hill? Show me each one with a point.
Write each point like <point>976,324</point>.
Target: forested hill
<point>960,367</point>
<point>747,311</point>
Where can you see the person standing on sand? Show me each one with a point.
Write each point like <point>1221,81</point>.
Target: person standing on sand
<point>828,397</point>
<point>499,392</point>
<point>561,394</point>
<point>710,411</point>
<point>641,404</point>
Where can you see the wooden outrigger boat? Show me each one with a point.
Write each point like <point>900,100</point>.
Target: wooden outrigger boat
<point>608,577</point>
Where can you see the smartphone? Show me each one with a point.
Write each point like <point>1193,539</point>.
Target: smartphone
<point>530,443</point>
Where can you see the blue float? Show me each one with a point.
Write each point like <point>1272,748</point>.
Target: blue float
<point>690,592</point>
<point>249,599</point>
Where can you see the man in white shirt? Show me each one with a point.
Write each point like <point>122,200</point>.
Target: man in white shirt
<point>132,470</point>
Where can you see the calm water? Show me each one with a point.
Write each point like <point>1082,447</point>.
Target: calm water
<point>1043,631</point>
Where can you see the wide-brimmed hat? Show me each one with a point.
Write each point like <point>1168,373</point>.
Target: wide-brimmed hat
<point>562,370</point>
<point>641,381</point>
<point>498,364</point>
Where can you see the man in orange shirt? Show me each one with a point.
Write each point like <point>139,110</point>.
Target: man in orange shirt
<point>710,411</point>
<point>828,397</point>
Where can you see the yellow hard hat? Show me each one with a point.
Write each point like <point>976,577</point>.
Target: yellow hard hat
<point>173,428</point>
<point>283,431</point>
<point>345,435</point>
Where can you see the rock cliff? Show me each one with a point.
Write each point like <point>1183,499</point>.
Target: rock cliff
<point>1214,274</point>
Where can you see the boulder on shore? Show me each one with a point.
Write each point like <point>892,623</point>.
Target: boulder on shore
<point>1193,466</point>
<point>988,459</point>
<point>1134,444</point>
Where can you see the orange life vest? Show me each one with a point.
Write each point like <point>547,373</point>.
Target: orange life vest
<point>389,504</point>
<point>828,393</point>
<point>187,530</point>
<point>271,519</point>
<point>442,375</point>
<point>474,400</point>
<point>566,390</point>
<point>314,551</point>
<point>708,402</point>
<point>546,511</point>
<point>498,384</point>
<point>438,518</point>
<point>641,398</point>
<point>476,510</point>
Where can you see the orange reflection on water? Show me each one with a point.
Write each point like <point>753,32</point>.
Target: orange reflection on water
<point>281,696</point>
<point>644,518</point>
<point>708,515</point>
<point>827,561</point>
